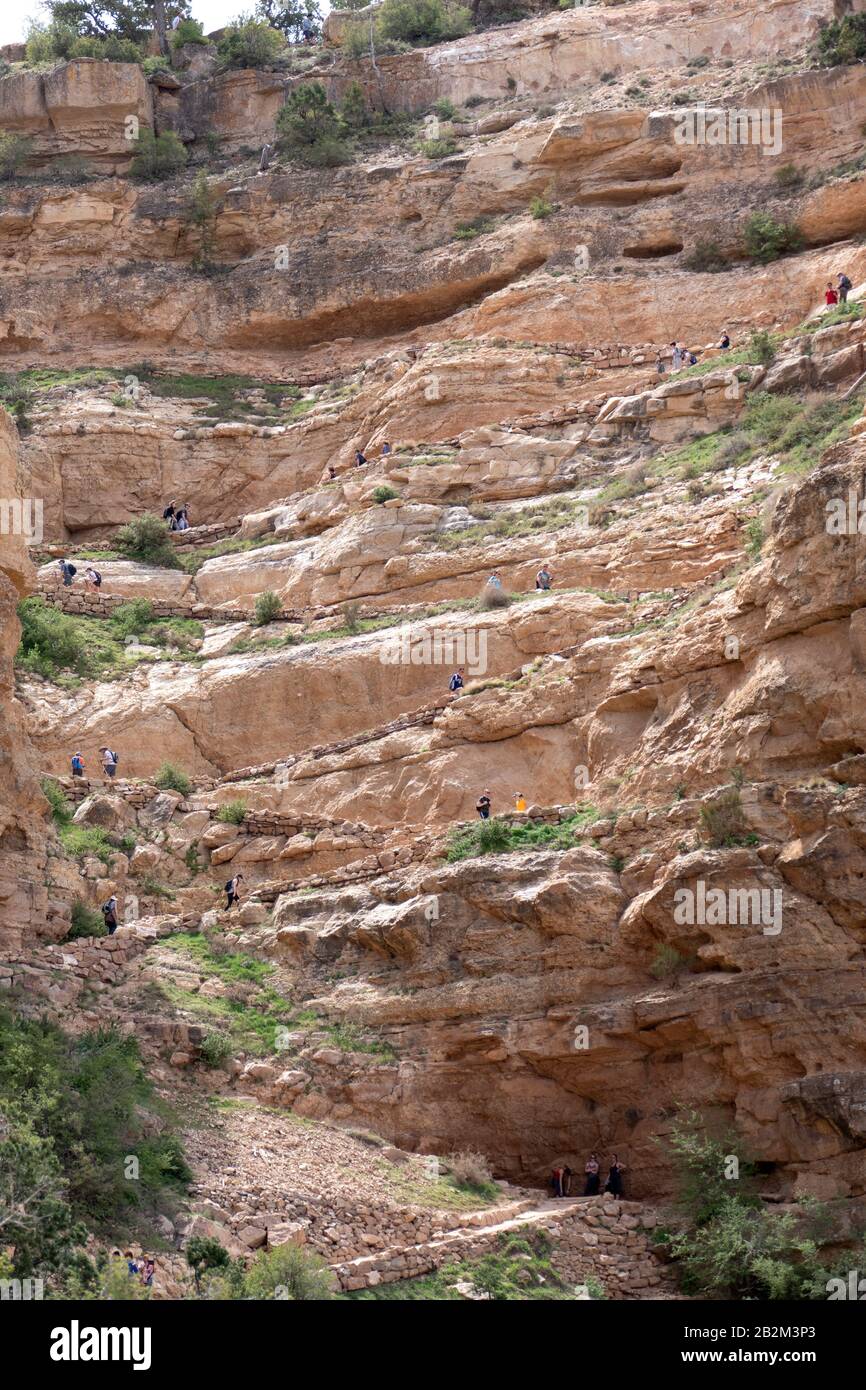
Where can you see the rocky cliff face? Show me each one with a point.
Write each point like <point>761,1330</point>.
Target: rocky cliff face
<point>28,910</point>
<point>673,916</point>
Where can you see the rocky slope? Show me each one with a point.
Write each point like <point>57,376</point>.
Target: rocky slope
<point>682,712</point>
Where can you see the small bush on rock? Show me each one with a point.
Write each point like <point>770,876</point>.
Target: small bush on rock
<point>85,922</point>
<point>268,607</point>
<point>157,156</point>
<point>215,1048</point>
<point>289,1272</point>
<point>310,130</point>
<point>471,1170</point>
<point>843,41</point>
<point>766,240</point>
<point>14,150</point>
<point>146,538</point>
<point>170,777</point>
<point>248,43</point>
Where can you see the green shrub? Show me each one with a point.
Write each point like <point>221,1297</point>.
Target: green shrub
<point>202,214</point>
<point>51,641</point>
<point>766,240</point>
<point>754,537</point>
<point>445,109</point>
<point>170,777</point>
<point>706,255</point>
<point>436,149</point>
<point>289,1272</point>
<point>353,107</point>
<point>423,21</point>
<point>468,231</point>
<point>111,49</point>
<point>204,1254</point>
<point>49,43</point>
<point>14,151</point>
<point>248,43</point>
<point>232,812</point>
<point>761,347</point>
<point>667,961</point>
<point>788,176</point>
<point>540,208</point>
<point>471,1170</point>
<point>215,1048</point>
<point>85,922</point>
<point>157,156</point>
<point>134,618</point>
<point>352,617</point>
<point>154,64</point>
<point>146,538</point>
<point>722,819</point>
<point>843,41</point>
<point>75,1109</point>
<point>310,130</point>
<point>187,31</point>
<point>383,493</point>
<point>268,607</point>
<point>61,811</point>
<point>734,1247</point>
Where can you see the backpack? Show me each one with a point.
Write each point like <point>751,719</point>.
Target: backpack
<point>76,763</point>
<point>229,886</point>
<point>113,756</point>
<point>97,578</point>
<point>692,359</point>
<point>845,283</point>
<point>107,908</point>
<point>70,569</point>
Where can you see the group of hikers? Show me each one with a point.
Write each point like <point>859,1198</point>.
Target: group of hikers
<point>561,1178</point>
<point>838,293</point>
<point>177,518</point>
<point>109,758</point>
<point>143,1269</point>
<point>682,356</point>
<point>92,577</point>
<point>484,803</point>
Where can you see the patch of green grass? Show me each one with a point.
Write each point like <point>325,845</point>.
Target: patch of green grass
<point>496,836</point>
<point>348,1038</point>
<point>547,516</point>
<point>192,560</point>
<point>228,393</point>
<point>79,841</point>
<point>843,313</point>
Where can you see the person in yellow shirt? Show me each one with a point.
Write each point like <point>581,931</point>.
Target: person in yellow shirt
<point>519,802</point>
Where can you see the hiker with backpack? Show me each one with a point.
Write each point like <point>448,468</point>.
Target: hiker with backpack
<point>844,287</point>
<point>482,806</point>
<point>233,891</point>
<point>109,761</point>
<point>77,765</point>
<point>109,914</point>
<point>68,571</point>
<point>544,578</point>
<point>93,579</point>
<point>456,681</point>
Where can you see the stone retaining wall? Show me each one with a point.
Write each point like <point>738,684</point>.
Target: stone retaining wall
<point>83,602</point>
<point>605,1240</point>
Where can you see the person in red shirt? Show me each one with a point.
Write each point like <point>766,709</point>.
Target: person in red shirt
<point>830,296</point>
